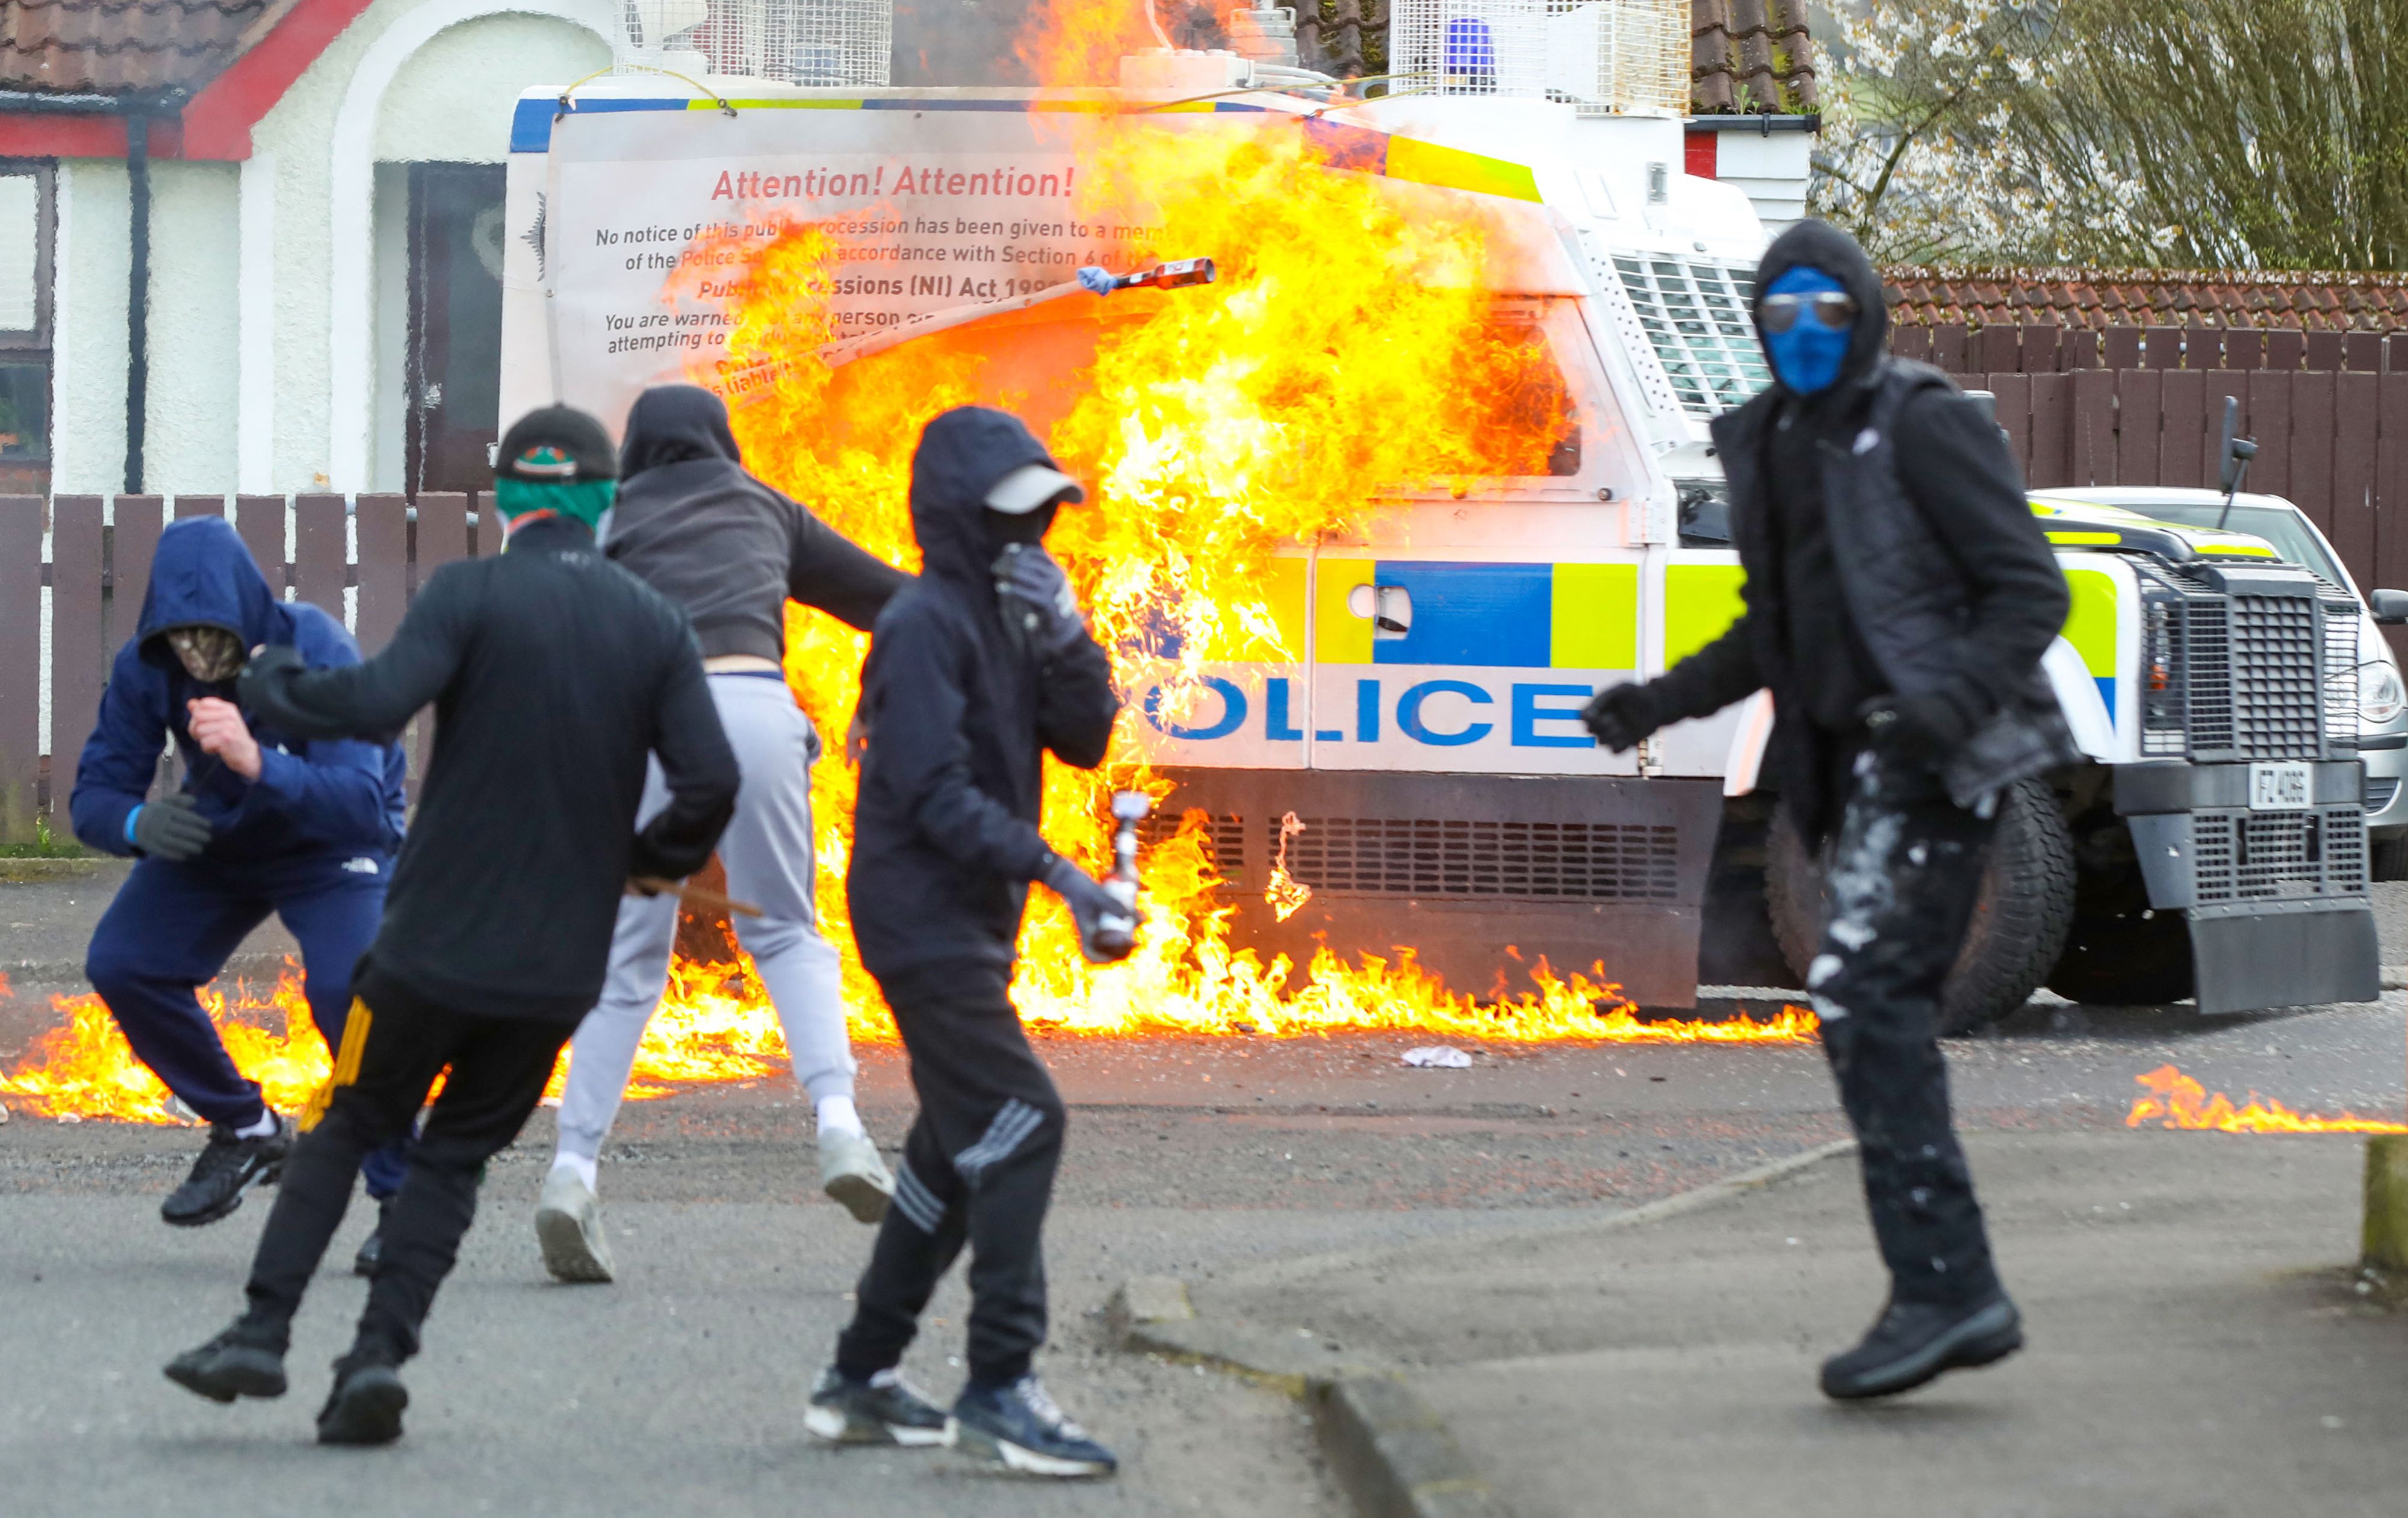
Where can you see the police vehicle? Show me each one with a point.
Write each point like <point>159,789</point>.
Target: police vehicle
<point>1408,748</point>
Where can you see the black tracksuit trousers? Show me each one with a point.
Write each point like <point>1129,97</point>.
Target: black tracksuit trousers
<point>1905,872</point>
<point>977,1167</point>
<point>394,1047</point>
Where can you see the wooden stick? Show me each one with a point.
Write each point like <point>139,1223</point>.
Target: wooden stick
<point>693,896</point>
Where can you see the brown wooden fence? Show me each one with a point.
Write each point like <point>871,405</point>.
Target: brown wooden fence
<point>2043,347</point>
<point>379,548</point>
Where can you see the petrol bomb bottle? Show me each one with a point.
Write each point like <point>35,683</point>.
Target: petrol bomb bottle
<point>1117,938</point>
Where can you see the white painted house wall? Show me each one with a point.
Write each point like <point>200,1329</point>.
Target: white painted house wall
<point>1772,167</point>
<point>275,342</point>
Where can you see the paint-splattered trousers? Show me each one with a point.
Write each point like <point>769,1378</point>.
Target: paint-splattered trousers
<point>978,1168</point>
<point>1905,871</point>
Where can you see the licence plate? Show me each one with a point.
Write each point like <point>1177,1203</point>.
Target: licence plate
<point>2280,787</point>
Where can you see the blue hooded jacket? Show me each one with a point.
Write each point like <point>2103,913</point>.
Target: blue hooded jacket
<point>343,796</point>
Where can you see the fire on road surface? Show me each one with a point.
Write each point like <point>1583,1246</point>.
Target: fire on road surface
<point>716,1026</point>
<point>2177,1101</point>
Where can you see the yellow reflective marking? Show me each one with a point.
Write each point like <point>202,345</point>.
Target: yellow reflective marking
<point>1341,636</point>
<point>1700,602</point>
<point>712,102</point>
<point>2081,538</point>
<point>2090,625</point>
<point>1451,168</point>
<point>1283,642</point>
<point>1595,614</point>
<point>2251,550</point>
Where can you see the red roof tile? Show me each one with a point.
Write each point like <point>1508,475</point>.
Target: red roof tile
<point>120,47</point>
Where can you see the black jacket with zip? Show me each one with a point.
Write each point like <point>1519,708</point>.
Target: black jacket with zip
<point>554,672</point>
<point>1943,573</point>
<point>695,527</point>
<point>959,716</point>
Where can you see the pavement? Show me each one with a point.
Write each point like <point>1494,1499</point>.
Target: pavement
<point>2196,1345</point>
<point>1547,1245</point>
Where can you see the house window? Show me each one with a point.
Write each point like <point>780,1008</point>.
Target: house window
<point>27,219</point>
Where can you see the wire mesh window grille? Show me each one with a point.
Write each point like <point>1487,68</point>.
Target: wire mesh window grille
<point>810,42</point>
<point>1604,56</point>
<point>1695,315</point>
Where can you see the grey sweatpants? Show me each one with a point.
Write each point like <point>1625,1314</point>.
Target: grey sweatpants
<point>768,852</point>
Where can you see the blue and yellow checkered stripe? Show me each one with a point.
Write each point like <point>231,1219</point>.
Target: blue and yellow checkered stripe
<point>1501,616</point>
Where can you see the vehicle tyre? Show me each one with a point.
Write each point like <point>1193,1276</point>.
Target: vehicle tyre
<point>2020,920</point>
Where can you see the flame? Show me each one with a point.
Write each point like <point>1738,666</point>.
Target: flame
<point>2177,1101</point>
<point>1214,424</point>
<point>1285,895</point>
<point>83,1068</point>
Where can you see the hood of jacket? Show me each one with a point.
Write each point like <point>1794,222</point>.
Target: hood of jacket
<point>673,425</point>
<point>203,576</point>
<point>961,455</point>
<point>1819,245</point>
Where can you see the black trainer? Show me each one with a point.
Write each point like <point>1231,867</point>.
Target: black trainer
<point>230,1365</point>
<point>883,1410</point>
<point>1019,1427</point>
<point>1912,1342</point>
<point>365,1407</point>
<point>228,1166</point>
<point>372,1247</point>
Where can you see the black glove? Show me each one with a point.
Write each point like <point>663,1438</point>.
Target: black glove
<point>265,669</point>
<point>170,828</point>
<point>1107,923</point>
<point>1622,716</point>
<point>1928,728</point>
<point>1036,597</point>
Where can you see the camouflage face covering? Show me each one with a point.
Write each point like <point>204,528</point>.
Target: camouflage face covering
<point>210,654</point>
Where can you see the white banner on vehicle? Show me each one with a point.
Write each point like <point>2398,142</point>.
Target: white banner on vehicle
<point>933,211</point>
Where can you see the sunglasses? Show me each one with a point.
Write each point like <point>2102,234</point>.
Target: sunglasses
<point>1831,309</point>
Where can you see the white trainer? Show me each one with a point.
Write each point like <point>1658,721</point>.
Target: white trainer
<point>568,1226</point>
<point>852,1172</point>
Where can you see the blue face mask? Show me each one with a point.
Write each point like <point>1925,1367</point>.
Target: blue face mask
<point>1808,356</point>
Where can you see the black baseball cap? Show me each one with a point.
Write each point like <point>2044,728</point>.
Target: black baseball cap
<point>557,445</point>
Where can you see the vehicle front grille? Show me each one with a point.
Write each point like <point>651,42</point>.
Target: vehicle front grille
<point>2273,856</point>
<point>2207,672</point>
<point>2276,679</point>
<point>1529,861</point>
<point>2380,789</point>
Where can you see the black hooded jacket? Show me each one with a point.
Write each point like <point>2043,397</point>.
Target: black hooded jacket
<point>958,718</point>
<point>553,674</point>
<point>691,523</point>
<point>1901,558</point>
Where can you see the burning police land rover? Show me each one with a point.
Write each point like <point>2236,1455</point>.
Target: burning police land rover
<point>1386,501</point>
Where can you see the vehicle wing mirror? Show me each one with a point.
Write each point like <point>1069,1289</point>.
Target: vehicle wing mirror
<point>2390,608</point>
<point>2238,452</point>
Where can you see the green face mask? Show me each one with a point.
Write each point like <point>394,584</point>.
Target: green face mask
<point>584,501</point>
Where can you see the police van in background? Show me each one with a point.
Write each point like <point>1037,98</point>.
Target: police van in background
<point>1408,745</point>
